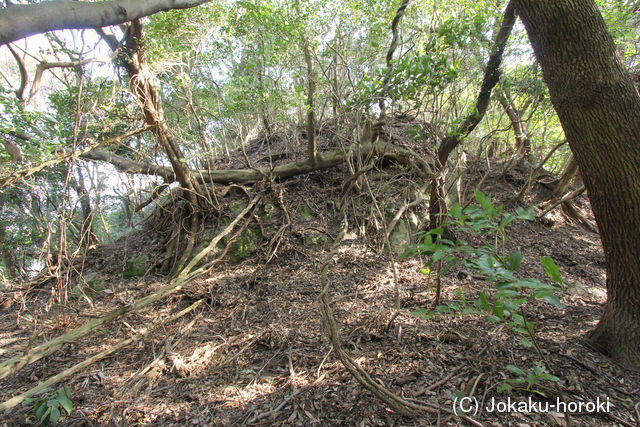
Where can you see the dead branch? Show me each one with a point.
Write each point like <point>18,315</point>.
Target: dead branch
<point>415,202</point>
<point>214,242</point>
<point>11,178</point>
<point>24,76</point>
<point>16,400</point>
<point>328,160</point>
<point>44,66</point>
<point>534,172</point>
<point>275,410</point>
<point>555,203</point>
<point>124,165</point>
<point>274,242</point>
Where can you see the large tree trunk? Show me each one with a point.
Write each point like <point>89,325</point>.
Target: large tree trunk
<point>599,109</point>
<point>19,21</point>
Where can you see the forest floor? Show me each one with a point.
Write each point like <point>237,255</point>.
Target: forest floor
<point>256,353</point>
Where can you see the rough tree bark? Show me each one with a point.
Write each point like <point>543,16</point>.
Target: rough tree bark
<point>599,109</point>
<point>312,147</point>
<point>19,21</point>
<point>389,58</point>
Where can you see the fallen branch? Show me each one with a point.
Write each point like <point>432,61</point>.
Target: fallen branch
<point>277,408</point>
<point>18,362</point>
<point>554,204</point>
<point>534,172</point>
<point>16,400</point>
<point>186,275</point>
<point>245,176</point>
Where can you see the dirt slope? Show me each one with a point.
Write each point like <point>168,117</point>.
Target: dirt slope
<point>257,354</point>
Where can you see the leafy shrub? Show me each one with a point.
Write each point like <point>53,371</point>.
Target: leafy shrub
<point>510,293</point>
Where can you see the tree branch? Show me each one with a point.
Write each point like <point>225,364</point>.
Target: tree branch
<point>21,21</point>
<point>122,164</point>
<point>43,66</point>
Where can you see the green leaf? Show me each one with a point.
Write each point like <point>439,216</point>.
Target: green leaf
<point>437,231</point>
<point>423,313</point>
<point>504,387</point>
<point>484,202</point>
<point>66,403</point>
<point>498,310</point>
<point>39,410</point>
<point>515,370</point>
<point>44,417</point>
<point>531,378</point>
<point>554,300</point>
<point>443,309</point>
<point>532,284</point>
<point>513,262</point>
<point>549,377</point>
<point>551,268</point>
<point>526,214</point>
<point>454,306</point>
<point>54,416</point>
<point>527,343</point>
<point>455,211</point>
<point>484,302</point>
<point>438,255</point>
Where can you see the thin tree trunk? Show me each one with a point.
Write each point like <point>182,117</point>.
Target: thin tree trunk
<point>568,174</point>
<point>523,142</point>
<point>449,143</point>
<point>395,24</point>
<point>599,110</point>
<point>7,256</point>
<point>312,148</point>
<point>87,236</point>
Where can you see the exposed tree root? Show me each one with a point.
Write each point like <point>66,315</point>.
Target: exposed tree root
<point>533,175</point>
<point>396,402</point>
<point>551,205</point>
<point>182,278</point>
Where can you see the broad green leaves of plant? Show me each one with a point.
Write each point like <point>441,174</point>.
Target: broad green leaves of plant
<point>505,301</point>
<point>50,407</point>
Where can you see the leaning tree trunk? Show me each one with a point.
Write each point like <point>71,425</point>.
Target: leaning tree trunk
<point>450,142</point>
<point>145,90</point>
<point>599,109</point>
